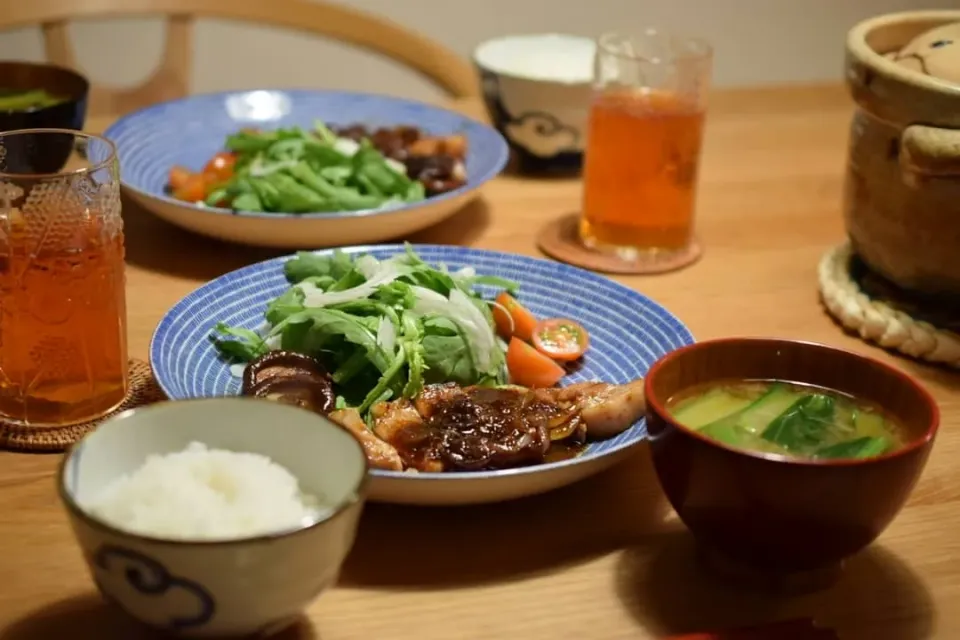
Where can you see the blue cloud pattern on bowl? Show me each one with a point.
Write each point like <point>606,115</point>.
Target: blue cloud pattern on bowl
<point>628,331</point>
<point>151,579</point>
<point>540,141</point>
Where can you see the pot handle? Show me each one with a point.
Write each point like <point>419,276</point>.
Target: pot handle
<point>929,152</point>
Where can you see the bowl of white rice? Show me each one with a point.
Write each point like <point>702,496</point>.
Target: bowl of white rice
<point>215,517</point>
<point>537,88</point>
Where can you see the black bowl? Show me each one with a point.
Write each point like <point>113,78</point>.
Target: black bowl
<point>22,76</point>
<point>46,154</point>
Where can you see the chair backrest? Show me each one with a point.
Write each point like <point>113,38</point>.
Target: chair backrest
<point>170,80</point>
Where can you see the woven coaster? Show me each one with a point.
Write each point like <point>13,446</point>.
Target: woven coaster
<point>878,311</point>
<point>560,240</point>
<point>143,390</point>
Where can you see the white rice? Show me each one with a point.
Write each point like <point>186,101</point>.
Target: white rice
<point>205,494</point>
<point>549,56</point>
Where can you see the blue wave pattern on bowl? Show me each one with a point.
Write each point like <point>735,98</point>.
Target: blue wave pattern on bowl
<point>628,331</point>
<point>191,130</point>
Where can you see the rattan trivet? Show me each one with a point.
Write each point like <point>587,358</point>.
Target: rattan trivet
<point>876,311</point>
<point>560,240</point>
<point>143,390</point>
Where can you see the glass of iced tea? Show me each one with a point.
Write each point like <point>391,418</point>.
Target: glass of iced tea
<point>63,340</point>
<point>643,147</point>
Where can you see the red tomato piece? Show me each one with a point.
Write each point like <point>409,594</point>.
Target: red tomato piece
<point>220,167</point>
<point>512,318</point>
<point>530,368</point>
<point>193,190</point>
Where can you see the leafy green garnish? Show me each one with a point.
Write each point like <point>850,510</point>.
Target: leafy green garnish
<point>801,427</point>
<point>865,447</point>
<point>296,171</point>
<point>383,329</point>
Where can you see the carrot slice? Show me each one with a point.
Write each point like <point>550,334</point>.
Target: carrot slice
<point>512,318</point>
<point>530,368</point>
<point>561,339</point>
<point>193,190</point>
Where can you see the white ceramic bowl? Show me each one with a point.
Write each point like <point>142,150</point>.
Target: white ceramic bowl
<point>237,587</point>
<point>537,90</point>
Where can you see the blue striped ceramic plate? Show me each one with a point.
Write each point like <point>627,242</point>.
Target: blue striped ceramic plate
<point>191,130</point>
<point>628,331</point>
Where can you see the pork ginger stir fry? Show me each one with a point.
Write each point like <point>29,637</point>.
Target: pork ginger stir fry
<point>447,427</point>
<point>452,428</point>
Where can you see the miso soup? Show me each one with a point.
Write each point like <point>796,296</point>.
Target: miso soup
<point>801,421</point>
<point>27,100</point>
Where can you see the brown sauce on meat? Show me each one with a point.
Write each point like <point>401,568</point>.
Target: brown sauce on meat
<point>560,451</point>
<point>477,429</point>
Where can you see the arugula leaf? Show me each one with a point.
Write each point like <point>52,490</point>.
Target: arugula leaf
<point>329,323</point>
<point>289,303</point>
<point>307,264</point>
<point>446,353</point>
<point>238,344</point>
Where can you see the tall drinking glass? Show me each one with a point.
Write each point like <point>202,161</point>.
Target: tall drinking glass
<point>63,339</point>
<point>643,146</point>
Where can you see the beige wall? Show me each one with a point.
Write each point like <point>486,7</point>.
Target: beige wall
<point>756,41</point>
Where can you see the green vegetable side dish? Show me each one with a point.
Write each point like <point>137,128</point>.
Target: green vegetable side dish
<point>787,419</point>
<point>27,100</point>
<point>296,171</point>
<point>383,328</point>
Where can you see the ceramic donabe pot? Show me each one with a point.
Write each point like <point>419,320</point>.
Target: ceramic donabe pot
<point>902,194</point>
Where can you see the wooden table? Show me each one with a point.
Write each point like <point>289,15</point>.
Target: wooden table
<point>606,558</point>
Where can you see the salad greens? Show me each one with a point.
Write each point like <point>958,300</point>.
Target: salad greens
<point>383,328</point>
<point>297,171</point>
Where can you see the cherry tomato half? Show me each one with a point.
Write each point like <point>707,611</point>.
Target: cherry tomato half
<point>220,167</point>
<point>561,339</point>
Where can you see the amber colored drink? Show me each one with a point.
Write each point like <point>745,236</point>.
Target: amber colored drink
<point>63,352</point>
<point>640,171</point>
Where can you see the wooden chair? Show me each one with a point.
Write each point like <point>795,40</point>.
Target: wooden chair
<point>444,67</point>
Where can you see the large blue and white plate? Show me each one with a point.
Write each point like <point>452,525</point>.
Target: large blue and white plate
<point>628,332</point>
<point>191,130</point>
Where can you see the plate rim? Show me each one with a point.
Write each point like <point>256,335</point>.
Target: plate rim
<point>496,168</point>
<point>686,336</point>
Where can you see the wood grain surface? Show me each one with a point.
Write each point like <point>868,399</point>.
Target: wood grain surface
<point>606,558</point>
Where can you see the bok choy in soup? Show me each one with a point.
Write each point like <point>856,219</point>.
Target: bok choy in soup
<point>27,100</point>
<point>788,419</point>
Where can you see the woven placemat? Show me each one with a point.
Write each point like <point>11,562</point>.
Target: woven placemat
<point>143,390</point>
<point>877,311</point>
<point>560,239</point>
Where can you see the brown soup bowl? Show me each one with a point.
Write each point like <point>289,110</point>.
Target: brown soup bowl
<point>41,154</point>
<point>69,85</point>
<point>784,522</point>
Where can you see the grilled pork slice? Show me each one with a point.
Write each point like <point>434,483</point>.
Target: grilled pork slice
<point>452,428</point>
<point>380,454</point>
